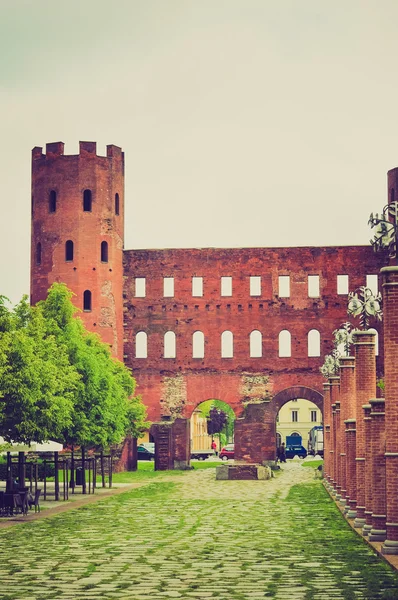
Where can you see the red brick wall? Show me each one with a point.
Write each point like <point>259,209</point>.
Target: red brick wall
<point>69,176</point>
<point>216,377</point>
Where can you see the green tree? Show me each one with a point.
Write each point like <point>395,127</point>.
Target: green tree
<point>37,382</point>
<point>227,430</point>
<point>103,410</point>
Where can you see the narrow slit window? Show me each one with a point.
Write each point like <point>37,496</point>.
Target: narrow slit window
<point>197,286</point>
<point>342,285</point>
<point>255,286</point>
<point>313,286</point>
<point>285,344</point>
<point>226,286</point>
<point>372,283</point>
<point>141,345</point>
<point>69,251</point>
<point>392,195</point>
<point>227,344</point>
<point>284,286</point>
<point>38,253</point>
<point>198,345</point>
<point>104,252</point>
<point>314,416</point>
<point>169,344</point>
<point>294,416</point>
<point>117,207</point>
<point>52,201</point>
<point>314,343</point>
<point>256,344</point>
<point>140,287</point>
<point>87,200</point>
<point>87,300</point>
<point>168,287</point>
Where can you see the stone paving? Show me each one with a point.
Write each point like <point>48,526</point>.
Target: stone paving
<point>193,537</point>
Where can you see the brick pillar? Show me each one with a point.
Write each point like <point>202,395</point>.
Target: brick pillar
<point>161,433</point>
<point>181,446</point>
<point>255,434</point>
<point>337,452</point>
<point>390,326</point>
<point>347,400</point>
<point>378,448</point>
<point>368,471</point>
<point>326,430</point>
<point>365,385</point>
<point>334,396</point>
<point>350,433</point>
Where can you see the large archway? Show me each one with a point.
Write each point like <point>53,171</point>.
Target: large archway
<point>294,392</point>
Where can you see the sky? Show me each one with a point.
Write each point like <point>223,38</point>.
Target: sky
<point>244,122</point>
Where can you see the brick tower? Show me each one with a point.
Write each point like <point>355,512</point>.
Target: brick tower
<point>77,233</point>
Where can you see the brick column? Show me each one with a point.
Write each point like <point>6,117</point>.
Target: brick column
<point>337,457</point>
<point>350,433</point>
<point>390,308</point>
<point>378,448</point>
<point>365,385</point>
<point>368,471</point>
<point>326,432</point>
<point>255,434</point>
<point>347,400</point>
<point>334,396</point>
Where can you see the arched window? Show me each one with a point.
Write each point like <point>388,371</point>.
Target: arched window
<point>117,204</point>
<point>104,252</point>
<point>87,300</point>
<point>227,344</point>
<point>141,345</point>
<point>314,343</point>
<point>38,253</point>
<point>285,343</point>
<point>256,344</point>
<point>169,344</point>
<point>198,344</point>
<point>69,250</point>
<point>52,201</point>
<point>87,200</point>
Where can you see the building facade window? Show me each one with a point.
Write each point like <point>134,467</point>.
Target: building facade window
<point>87,300</point>
<point>342,285</point>
<point>38,253</point>
<point>169,344</point>
<point>256,344</point>
<point>52,201</point>
<point>314,416</point>
<point>140,287</point>
<point>226,286</point>
<point>227,344</point>
<point>104,252</point>
<point>294,416</point>
<point>69,251</point>
<point>141,345</point>
<point>198,344</point>
<point>197,286</point>
<point>255,286</point>
<point>313,286</point>
<point>168,287</point>
<point>372,283</point>
<point>285,344</point>
<point>87,201</point>
<point>314,343</point>
<point>284,286</point>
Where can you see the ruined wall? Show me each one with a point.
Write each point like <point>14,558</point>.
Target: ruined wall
<point>58,216</point>
<point>198,379</point>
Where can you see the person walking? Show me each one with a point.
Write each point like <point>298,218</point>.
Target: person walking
<point>282,453</point>
<point>214,447</point>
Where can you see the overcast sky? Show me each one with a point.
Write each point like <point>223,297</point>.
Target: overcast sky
<point>244,122</point>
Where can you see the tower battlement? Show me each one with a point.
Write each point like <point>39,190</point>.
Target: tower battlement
<point>56,149</point>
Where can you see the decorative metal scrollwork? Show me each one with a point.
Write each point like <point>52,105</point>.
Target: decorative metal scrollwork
<point>385,236</point>
<point>343,337</point>
<point>331,365</point>
<point>365,305</point>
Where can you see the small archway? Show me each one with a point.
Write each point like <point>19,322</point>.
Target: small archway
<point>207,438</point>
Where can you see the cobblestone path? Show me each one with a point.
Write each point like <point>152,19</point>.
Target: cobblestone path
<point>190,537</point>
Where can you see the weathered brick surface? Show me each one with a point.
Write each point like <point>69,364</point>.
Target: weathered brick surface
<point>347,387</point>
<point>351,464</point>
<point>368,466</point>
<point>365,388</point>
<point>69,176</point>
<point>390,307</point>
<point>378,483</point>
<point>327,415</point>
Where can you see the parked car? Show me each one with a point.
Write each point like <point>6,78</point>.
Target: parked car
<point>145,453</point>
<point>148,445</point>
<point>228,452</point>
<point>292,451</point>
